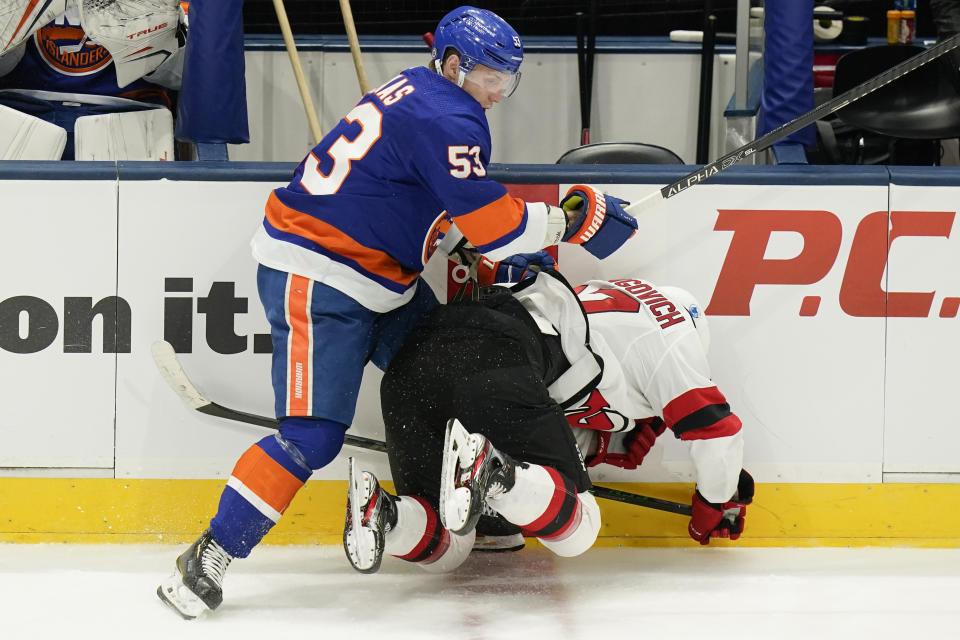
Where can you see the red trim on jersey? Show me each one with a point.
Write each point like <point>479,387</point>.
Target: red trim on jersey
<point>693,401</point>
<point>690,402</point>
<point>727,427</point>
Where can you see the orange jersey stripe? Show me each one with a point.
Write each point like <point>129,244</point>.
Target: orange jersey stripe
<point>267,478</point>
<point>493,221</point>
<point>290,220</point>
<point>299,352</point>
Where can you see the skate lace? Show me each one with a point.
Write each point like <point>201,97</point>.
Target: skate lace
<point>498,482</point>
<point>214,562</point>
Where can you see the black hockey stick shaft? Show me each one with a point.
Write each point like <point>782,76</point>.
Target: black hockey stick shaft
<point>769,139</point>
<point>176,378</point>
<point>588,63</point>
<point>608,493</point>
<point>220,411</point>
<point>582,81</point>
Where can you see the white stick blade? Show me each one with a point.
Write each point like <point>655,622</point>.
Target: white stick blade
<point>173,374</point>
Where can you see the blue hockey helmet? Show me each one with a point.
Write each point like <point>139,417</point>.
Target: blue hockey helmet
<point>480,37</point>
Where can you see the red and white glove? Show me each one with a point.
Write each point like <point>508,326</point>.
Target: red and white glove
<point>637,443</point>
<point>724,520</point>
<point>512,268</point>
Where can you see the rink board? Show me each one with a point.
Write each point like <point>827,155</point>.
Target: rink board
<point>832,295</point>
<point>46,510</point>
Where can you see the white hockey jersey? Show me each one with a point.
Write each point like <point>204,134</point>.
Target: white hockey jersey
<point>654,364</point>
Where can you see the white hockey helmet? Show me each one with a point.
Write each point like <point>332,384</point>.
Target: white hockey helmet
<point>686,300</point>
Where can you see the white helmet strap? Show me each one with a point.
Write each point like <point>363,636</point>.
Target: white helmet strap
<point>461,74</point>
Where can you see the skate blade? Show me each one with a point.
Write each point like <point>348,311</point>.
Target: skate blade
<point>456,510</point>
<point>498,544</point>
<point>448,469</point>
<point>178,597</point>
<point>359,543</point>
<point>459,452</point>
<point>360,546</point>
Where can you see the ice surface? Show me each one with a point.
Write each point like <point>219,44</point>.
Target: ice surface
<point>281,592</point>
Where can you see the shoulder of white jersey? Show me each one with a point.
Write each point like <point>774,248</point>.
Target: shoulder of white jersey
<point>695,312</point>
<point>672,309</point>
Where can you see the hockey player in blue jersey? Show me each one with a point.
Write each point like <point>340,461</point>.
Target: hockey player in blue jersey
<point>341,249</point>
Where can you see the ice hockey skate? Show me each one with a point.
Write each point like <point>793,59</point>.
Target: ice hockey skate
<point>371,513</point>
<point>196,586</point>
<point>473,470</point>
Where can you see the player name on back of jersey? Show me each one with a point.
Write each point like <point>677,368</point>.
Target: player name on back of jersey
<point>393,90</point>
<point>666,313</point>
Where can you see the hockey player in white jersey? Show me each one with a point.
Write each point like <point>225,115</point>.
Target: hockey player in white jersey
<point>479,404</point>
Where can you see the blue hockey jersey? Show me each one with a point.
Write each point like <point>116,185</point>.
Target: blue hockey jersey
<point>367,207</point>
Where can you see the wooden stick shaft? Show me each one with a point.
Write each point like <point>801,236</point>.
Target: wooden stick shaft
<point>308,107</point>
<point>354,45</point>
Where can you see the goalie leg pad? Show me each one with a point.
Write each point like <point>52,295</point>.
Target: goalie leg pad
<point>132,135</point>
<point>26,137</point>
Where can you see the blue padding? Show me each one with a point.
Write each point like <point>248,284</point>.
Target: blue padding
<point>789,153</point>
<point>213,171</point>
<point>925,176</point>
<point>788,60</point>
<point>754,92</point>
<point>531,44</point>
<point>665,174</point>
<point>59,170</point>
<point>213,98</point>
<point>211,152</point>
<point>280,173</point>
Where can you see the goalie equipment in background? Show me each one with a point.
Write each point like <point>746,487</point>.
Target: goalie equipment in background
<point>26,137</point>
<point>132,135</point>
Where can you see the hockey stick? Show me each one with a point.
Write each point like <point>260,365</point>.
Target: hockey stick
<point>311,111</point>
<point>586,50</point>
<point>176,378</point>
<point>351,28</point>
<point>801,121</point>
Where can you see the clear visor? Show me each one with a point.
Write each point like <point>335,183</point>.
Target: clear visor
<point>496,82</point>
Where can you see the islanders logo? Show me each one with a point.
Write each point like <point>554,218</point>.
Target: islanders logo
<point>436,233</point>
<point>67,49</point>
